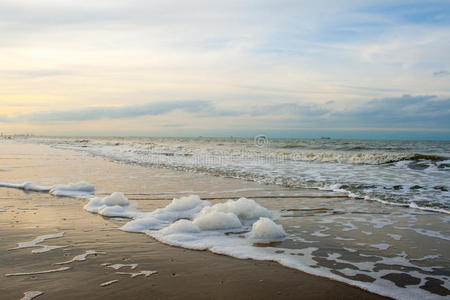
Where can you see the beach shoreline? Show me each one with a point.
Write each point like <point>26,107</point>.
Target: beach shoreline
<point>181,272</point>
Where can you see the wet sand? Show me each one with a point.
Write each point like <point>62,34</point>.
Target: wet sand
<point>181,273</point>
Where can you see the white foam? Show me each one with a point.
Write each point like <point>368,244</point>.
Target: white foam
<point>319,233</point>
<point>396,237</point>
<point>80,189</point>
<point>184,203</point>
<point>38,240</point>
<point>119,266</point>
<point>215,220</point>
<point>164,217</point>
<point>430,233</point>
<point>46,248</point>
<point>142,224</point>
<point>115,205</point>
<point>265,230</point>
<point>350,250</point>
<point>26,186</point>
<point>145,273</point>
<point>31,295</point>
<point>3,208</point>
<point>108,283</point>
<point>243,208</point>
<point>425,208</point>
<point>39,272</point>
<point>116,198</point>
<point>80,257</point>
<point>343,239</point>
<point>380,246</point>
<point>427,257</point>
<point>181,226</point>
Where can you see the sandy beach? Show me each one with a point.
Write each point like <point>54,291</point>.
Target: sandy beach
<point>179,273</point>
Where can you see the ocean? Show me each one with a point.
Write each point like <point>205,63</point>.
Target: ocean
<point>405,173</point>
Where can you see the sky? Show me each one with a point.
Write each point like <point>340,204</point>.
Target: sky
<point>356,69</point>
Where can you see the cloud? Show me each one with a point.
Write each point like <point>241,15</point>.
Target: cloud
<point>108,112</point>
<point>373,89</point>
<point>5,119</point>
<point>173,125</point>
<point>404,111</point>
<point>427,111</point>
<point>200,108</point>
<point>31,74</point>
<point>422,116</point>
<point>309,110</point>
<point>441,73</point>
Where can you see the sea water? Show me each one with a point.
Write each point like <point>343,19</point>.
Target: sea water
<point>409,173</point>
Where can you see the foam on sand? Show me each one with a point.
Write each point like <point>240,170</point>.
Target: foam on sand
<point>114,205</point>
<point>265,230</point>
<point>26,186</point>
<point>81,189</point>
<point>39,272</point>
<point>193,223</point>
<point>181,226</point>
<point>73,189</point>
<point>243,208</point>
<point>46,248</point>
<point>217,220</point>
<point>184,203</point>
<point>108,283</point>
<point>80,257</point>
<point>31,295</point>
<point>119,266</point>
<point>38,240</point>
<point>145,273</point>
<point>179,208</point>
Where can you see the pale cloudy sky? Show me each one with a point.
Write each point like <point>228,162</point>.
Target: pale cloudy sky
<point>287,68</point>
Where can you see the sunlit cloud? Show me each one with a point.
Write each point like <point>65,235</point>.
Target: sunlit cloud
<point>108,112</point>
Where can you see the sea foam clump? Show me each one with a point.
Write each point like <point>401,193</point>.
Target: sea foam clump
<point>115,205</point>
<point>181,226</point>
<point>265,230</point>
<point>216,220</point>
<point>201,214</point>
<point>79,189</point>
<point>147,222</point>
<point>179,208</point>
<point>220,229</point>
<point>184,203</point>
<point>28,186</point>
<point>244,209</point>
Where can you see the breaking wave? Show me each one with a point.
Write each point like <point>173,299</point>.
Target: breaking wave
<point>407,173</point>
